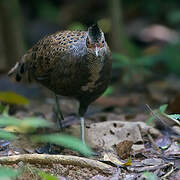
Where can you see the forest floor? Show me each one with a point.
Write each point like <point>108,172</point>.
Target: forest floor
<point>118,128</point>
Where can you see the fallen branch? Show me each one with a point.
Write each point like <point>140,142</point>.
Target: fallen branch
<point>57,159</point>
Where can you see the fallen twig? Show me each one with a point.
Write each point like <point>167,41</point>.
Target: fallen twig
<point>154,144</point>
<point>169,173</point>
<point>57,159</point>
<point>149,168</point>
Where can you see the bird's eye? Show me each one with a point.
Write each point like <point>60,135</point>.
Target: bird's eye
<point>101,44</point>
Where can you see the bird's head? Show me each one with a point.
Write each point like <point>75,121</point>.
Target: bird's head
<point>95,41</point>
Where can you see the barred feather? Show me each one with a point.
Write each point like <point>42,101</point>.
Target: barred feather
<point>18,71</point>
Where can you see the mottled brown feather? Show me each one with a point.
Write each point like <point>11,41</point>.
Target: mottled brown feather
<point>57,62</point>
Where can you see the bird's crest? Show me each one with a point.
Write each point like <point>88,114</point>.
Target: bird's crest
<point>95,33</point>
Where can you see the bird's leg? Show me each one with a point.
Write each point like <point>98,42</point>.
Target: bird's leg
<point>82,130</point>
<point>49,148</point>
<point>82,110</point>
<point>59,114</point>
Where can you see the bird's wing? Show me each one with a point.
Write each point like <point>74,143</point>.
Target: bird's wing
<point>43,57</point>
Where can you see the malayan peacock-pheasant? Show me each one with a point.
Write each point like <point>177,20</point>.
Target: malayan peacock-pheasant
<point>76,64</point>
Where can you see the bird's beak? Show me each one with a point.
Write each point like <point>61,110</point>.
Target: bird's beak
<point>96,50</point>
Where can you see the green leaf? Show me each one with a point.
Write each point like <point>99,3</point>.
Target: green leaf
<point>29,121</point>
<point>13,98</point>
<point>26,125</point>
<point>175,116</point>
<point>7,173</point>
<point>2,107</point>
<point>5,111</point>
<point>108,91</point>
<point>6,135</point>
<point>47,176</point>
<point>150,176</point>
<point>9,120</point>
<point>66,141</point>
<point>36,122</point>
<point>163,108</point>
<point>150,120</point>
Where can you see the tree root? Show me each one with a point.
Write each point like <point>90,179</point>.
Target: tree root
<point>58,159</point>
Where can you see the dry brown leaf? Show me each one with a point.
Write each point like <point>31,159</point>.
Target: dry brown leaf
<point>114,159</point>
<point>124,149</point>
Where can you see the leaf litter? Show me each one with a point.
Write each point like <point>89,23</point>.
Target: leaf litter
<point>119,138</point>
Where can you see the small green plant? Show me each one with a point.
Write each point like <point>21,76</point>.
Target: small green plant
<point>6,135</point>
<point>143,64</point>
<point>30,124</point>
<point>23,125</point>
<point>47,176</point>
<point>66,141</point>
<point>161,111</point>
<point>130,67</point>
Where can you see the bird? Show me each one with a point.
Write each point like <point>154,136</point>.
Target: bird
<point>76,64</point>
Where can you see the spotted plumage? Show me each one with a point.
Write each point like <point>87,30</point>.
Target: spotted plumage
<point>70,63</point>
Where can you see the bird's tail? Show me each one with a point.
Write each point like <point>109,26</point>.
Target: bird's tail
<point>19,70</point>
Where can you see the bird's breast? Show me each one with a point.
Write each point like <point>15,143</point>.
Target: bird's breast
<point>94,70</point>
